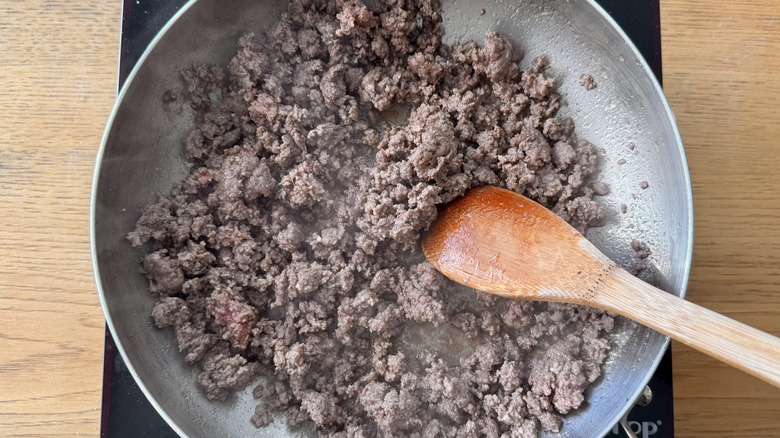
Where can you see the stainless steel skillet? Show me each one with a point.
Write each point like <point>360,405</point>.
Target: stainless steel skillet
<point>141,156</point>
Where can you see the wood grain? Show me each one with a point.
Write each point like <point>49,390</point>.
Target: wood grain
<point>57,82</point>
<point>500,242</point>
<point>741,346</point>
<point>722,78</point>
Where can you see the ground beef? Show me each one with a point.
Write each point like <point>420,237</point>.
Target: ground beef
<point>642,252</point>
<point>291,252</point>
<point>588,82</point>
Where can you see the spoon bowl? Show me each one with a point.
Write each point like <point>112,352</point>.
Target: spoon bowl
<point>503,243</point>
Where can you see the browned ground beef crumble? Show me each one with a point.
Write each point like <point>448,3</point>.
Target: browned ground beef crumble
<point>642,252</point>
<point>292,249</point>
<point>588,82</point>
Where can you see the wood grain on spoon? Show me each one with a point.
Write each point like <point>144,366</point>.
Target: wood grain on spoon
<point>500,242</point>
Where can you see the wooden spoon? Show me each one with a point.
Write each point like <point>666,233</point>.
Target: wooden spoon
<point>503,243</point>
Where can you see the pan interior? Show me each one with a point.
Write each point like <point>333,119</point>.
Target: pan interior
<point>142,156</point>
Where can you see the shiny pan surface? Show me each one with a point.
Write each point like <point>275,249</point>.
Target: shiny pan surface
<point>142,155</point>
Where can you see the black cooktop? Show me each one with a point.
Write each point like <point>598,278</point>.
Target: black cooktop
<point>126,413</point>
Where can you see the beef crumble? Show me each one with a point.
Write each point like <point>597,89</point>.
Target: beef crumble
<point>588,82</point>
<point>642,252</point>
<point>292,249</point>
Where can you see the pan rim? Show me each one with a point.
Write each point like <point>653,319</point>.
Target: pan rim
<point>688,190</point>
<point>93,217</point>
<point>161,35</point>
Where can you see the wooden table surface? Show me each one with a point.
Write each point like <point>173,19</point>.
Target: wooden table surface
<point>58,62</point>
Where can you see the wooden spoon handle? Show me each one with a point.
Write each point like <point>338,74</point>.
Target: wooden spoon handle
<point>723,338</point>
